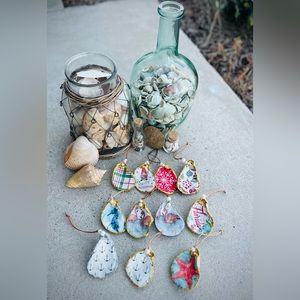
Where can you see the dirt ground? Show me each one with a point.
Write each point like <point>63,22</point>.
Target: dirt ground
<point>227,46</point>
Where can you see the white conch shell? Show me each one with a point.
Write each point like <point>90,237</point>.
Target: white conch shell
<point>80,153</point>
<point>87,176</point>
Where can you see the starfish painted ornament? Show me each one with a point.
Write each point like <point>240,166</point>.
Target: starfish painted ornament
<point>185,269</point>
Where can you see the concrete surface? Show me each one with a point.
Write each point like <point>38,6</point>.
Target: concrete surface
<point>220,130</point>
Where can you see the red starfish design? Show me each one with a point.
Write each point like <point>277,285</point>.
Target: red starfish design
<point>186,271</point>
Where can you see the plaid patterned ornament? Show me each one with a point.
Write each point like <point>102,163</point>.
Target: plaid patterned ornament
<point>122,177</point>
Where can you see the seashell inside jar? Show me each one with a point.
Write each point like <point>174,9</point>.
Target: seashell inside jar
<point>96,101</point>
<point>162,95</point>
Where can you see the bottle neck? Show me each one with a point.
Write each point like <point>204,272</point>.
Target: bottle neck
<point>168,34</point>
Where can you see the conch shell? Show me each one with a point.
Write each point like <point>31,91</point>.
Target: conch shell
<point>87,176</point>
<point>80,153</point>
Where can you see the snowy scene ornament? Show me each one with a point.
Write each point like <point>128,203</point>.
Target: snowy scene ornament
<point>165,179</point>
<point>199,219</point>
<point>104,259</point>
<point>185,268</point>
<point>139,220</point>
<point>140,267</point>
<point>144,178</point>
<point>112,217</point>
<point>167,219</point>
<point>188,181</point>
<point>122,178</point>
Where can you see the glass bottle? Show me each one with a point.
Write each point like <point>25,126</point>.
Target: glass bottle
<point>163,82</point>
<point>138,140</point>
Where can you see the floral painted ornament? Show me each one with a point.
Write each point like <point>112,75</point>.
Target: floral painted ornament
<point>140,267</point>
<point>167,219</point>
<point>199,219</point>
<point>104,259</point>
<point>139,220</point>
<point>165,179</point>
<point>188,181</point>
<point>122,178</point>
<point>112,217</point>
<point>144,178</point>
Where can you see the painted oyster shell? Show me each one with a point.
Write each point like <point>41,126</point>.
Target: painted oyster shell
<point>140,267</point>
<point>122,178</point>
<point>139,220</point>
<point>104,259</point>
<point>165,179</point>
<point>188,181</point>
<point>185,269</point>
<point>199,219</point>
<point>167,219</point>
<point>112,217</point>
<point>144,178</point>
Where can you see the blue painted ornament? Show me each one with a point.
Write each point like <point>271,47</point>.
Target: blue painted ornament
<point>112,217</point>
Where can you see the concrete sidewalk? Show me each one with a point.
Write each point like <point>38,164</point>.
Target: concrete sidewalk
<point>220,129</point>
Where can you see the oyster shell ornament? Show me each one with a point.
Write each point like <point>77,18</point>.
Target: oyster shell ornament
<point>80,153</point>
<point>122,178</point>
<point>112,217</point>
<point>188,181</point>
<point>140,267</point>
<point>104,259</point>
<point>199,219</point>
<point>185,268</point>
<point>87,176</point>
<point>167,219</point>
<point>144,178</point>
<point>165,179</point>
<point>139,220</point>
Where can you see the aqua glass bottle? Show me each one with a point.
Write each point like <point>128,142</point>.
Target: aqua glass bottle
<point>163,82</point>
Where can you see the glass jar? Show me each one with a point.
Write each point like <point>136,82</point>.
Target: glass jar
<point>163,83</point>
<point>96,101</point>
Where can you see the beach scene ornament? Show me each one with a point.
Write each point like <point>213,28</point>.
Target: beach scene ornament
<point>167,219</point>
<point>165,179</point>
<point>185,267</point>
<point>112,217</point>
<point>122,178</point>
<point>140,267</point>
<point>188,181</point>
<point>139,220</point>
<point>104,259</point>
<point>199,219</point>
<point>144,178</point>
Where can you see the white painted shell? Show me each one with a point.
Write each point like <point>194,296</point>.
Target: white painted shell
<point>104,259</point>
<point>140,267</point>
<point>80,153</point>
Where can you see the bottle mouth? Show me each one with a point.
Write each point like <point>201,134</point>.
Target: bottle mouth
<point>171,10</point>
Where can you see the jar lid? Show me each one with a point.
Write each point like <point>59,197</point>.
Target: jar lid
<point>138,122</point>
<point>173,135</point>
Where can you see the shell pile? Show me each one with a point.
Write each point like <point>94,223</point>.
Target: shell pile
<point>163,95</point>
